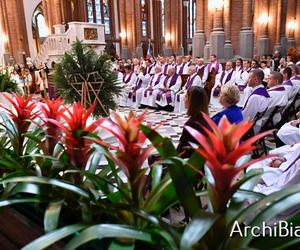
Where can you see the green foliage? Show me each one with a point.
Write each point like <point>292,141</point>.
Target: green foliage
<point>7,85</point>
<point>82,60</point>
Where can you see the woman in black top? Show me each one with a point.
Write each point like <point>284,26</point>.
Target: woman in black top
<point>196,101</point>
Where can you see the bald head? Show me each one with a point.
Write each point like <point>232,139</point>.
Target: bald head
<point>171,71</point>
<point>192,69</point>
<point>228,65</point>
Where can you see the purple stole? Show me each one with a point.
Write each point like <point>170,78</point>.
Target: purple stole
<point>227,78</point>
<point>166,69</point>
<point>138,84</point>
<point>157,81</point>
<point>216,68</point>
<point>129,78</point>
<point>217,89</point>
<point>148,70</point>
<point>180,70</point>
<point>200,71</point>
<point>260,91</point>
<point>188,84</point>
<point>168,93</point>
<point>296,78</point>
<point>280,88</point>
<point>288,82</point>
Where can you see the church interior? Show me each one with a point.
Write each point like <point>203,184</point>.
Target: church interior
<point>149,124</point>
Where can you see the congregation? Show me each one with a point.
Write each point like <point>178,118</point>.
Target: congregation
<point>265,91</point>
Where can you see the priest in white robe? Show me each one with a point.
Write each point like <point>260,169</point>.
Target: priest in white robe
<point>168,89</point>
<point>279,170</point>
<point>150,93</point>
<point>227,77</point>
<point>181,67</point>
<point>136,93</point>
<point>241,78</point>
<point>289,133</point>
<point>258,101</point>
<point>128,82</point>
<point>193,80</point>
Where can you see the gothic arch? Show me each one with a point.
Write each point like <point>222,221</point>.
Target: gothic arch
<point>31,6</point>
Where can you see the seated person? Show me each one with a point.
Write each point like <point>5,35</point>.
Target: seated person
<point>193,80</point>
<point>229,97</point>
<point>258,100</point>
<point>227,77</point>
<point>196,102</point>
<point>289,133</point>
<point>168,89</point>
<point>279,170</point>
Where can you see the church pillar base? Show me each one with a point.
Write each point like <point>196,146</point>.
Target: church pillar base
<point>125,53</point>
<point>263,46</point>
<point>180,51</point>
<point>207,51</point>
<point>198,44</point>
<point>6,57</point>
<point>246,44</point>
<point>139,51</point>
<point>228,51</point>
<point>217,41</point>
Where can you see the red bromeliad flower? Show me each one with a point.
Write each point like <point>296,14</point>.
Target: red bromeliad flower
<point>222,148</point>
<point>21,114</point>
<point>75,130</point>
<point>130,154</point>
<point>51,110</point>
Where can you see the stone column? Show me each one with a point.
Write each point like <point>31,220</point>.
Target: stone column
<point>57,11</point>
<point>180,50</point>
<point>169,32</point>
<point>6,54</point>
<point>291,17</point>
<point>139,49</point>
<point>199,36</point>
<point>297,32</point>
<point>217,37</point>
<point>246,33</point>
<point>278,23</point>
<point>264,40</point>
<point>209,25</point>
<point>228,51</point>
<point>124,36</point>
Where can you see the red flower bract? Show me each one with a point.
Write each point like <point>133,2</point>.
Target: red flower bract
<point>131,153</point>
<point>21,114</point>
<point>221,148</point>
<point>51,110</point>
<point>75,129</point>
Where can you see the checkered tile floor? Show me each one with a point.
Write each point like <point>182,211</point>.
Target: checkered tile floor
<point>171,124</point>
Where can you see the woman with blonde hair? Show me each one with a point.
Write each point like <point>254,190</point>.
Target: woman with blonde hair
<point>229,97</point>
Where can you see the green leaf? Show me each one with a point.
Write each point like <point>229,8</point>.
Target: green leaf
<point>54,236</point>
<point>108,231</point>
<point>196,229</point>
<point>9,202</point>
<point>48,181</point>
<point>156,174</point>
<point>51,217</point>
<point>183,186</point>
<point>161,198</point>
<point>268,207</point>
<point>119,246</point>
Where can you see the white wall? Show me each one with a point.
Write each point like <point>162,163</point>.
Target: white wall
<point>29,7</point>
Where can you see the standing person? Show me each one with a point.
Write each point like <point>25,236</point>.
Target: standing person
<point>193,80</point>
<point>276,60</point>
<point>212,69</point>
